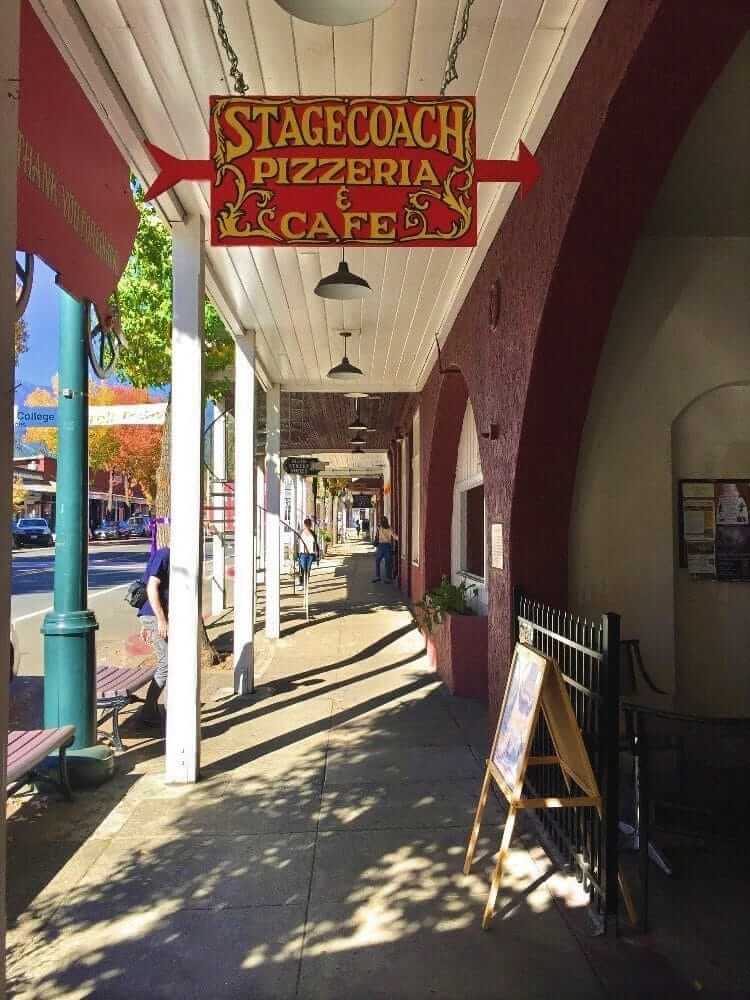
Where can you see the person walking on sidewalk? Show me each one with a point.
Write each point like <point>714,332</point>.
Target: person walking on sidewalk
<point>154,618</point>
<point>309,551</point>
<point>384,540</point>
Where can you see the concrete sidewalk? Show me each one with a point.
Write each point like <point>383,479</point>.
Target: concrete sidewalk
<point>321,855</point>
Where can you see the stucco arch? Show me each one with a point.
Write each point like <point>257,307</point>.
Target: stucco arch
<point>560,257</point>
<point>443,433</point>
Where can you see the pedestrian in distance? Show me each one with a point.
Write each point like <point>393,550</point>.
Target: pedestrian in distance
<point>309,550</point>
<point>384,540</point>
<point>154,619</point>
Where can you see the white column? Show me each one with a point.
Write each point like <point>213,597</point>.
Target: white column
<point>273,510</point>
<point>186,502</point>
<point>9,38</point>
<point>219,518</point>
<point>244,513</point>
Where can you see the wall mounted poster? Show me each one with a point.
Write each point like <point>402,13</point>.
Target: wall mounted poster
<point>515,729</point>
<point>732,501</point>
<point>714,525</point>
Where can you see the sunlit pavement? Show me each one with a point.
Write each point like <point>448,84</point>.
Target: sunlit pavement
<point>319,857</point>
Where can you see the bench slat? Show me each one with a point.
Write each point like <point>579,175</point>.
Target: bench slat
<point>29,747</point>
<point>114,682</point>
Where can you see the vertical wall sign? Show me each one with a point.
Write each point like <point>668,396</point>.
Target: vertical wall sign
<point>75,206</point>
<point>359,171</point>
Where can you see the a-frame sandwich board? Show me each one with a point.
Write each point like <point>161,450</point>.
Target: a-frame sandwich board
<point>534,684</point>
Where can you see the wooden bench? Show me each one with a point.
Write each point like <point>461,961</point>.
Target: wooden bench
<point>27,748</point>
<point>117,687</point>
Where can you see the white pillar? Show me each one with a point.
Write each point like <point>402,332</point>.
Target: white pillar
<point>273,511</point>
<point>186,502</point>
<point>9,39</point>
<point>300,500</point>
<point>219,503</point>
<point>244,513</point>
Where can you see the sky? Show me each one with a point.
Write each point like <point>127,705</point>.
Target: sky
<point>39,363</point>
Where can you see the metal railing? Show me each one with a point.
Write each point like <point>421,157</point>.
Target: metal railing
<point>587,653</point>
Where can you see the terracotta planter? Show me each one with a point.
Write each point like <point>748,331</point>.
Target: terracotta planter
<point>457,650</point>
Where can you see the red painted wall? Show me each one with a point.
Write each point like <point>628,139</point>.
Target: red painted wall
<point>561,256</point>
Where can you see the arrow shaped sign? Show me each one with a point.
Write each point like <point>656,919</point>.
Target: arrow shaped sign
<point>359,171</point>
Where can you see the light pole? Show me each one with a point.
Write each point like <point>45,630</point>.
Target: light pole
<point>69,648</point>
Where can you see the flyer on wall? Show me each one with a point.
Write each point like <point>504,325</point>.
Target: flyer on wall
<point>732,530</point>
<point>699,528</point>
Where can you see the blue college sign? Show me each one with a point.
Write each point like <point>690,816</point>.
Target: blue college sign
<point>36,416</point>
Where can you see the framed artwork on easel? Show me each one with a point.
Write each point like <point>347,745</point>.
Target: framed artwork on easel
<point>534,685</point>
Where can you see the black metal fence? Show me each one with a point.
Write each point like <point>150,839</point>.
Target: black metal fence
<point>587,653</point>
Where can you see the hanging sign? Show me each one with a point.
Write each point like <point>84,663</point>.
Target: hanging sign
<point>357,171</point>
<point>139,414</point>
<point>361,501</point>
<point>75,206</point>
<point>295,466</point>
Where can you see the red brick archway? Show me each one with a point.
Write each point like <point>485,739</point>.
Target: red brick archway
<point>561,257</point>
<point>442,430</point>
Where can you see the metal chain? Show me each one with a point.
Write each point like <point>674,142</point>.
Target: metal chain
<point>451,73</point>
<point>240,87</point>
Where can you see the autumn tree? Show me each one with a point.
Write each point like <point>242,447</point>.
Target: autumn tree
<point>19,495</point>
<point>20,336</point>
<point>139,450</point>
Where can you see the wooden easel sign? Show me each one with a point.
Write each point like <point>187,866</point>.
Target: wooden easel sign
<point>534,683</point>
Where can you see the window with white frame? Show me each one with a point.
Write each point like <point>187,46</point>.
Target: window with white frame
<point>415,490</point>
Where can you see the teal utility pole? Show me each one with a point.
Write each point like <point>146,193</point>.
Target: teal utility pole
<point>68,630</point>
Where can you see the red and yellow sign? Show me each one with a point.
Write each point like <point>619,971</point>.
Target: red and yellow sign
<point>361,171</point>
<point>351,170</point>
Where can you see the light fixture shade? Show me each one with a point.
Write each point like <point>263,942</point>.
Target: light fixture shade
<point>358,450</point>
<point>335,12</point>
<point>345,369</point>
<point>358,440</point>
<point>356,395</point>
<point>342,285</point>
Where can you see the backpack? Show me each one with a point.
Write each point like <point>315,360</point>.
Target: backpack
<point>136,595</point>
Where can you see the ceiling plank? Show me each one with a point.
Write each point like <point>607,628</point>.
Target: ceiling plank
<point>392,43</point>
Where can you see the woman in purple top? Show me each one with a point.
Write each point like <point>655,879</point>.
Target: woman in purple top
<point>154,616</point>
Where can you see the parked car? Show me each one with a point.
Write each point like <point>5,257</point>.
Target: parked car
<point>123,529</point>
<point>32,531</point>
<point>106,531</point>
<point>140,526</point>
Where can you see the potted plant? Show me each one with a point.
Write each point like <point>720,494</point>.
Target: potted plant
<point>324,541</point>
<point>456,637</point>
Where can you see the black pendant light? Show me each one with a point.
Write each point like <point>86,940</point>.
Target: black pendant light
<point>358,440</point>
<point>345,369</point>
<point>358,450</point>
<point>342,285</point>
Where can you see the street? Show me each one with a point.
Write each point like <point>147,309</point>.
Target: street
<point>112,566</point>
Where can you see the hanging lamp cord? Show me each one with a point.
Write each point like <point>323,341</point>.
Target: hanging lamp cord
<point>240,87</point>
<point>451,72</point>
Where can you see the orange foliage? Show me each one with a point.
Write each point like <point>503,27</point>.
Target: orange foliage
<point>133,450</point>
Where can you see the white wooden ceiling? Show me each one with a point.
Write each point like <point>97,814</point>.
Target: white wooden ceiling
<point>149,67</point>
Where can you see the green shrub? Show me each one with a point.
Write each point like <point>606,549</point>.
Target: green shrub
<point>431,610</point>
